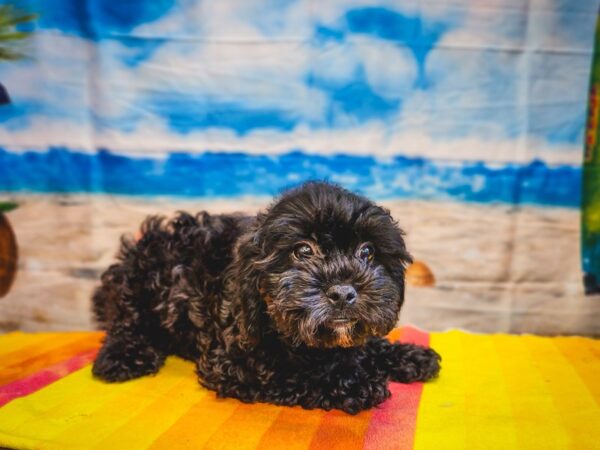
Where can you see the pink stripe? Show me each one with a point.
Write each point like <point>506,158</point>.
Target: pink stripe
<point>393,424</point>
<point>44,377</point>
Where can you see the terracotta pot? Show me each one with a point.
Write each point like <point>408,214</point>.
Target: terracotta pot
<point>8,255</point>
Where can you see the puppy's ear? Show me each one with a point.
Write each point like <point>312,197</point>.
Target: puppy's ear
<point>405,260</point>
<point>398,255</point>
<point>249,309</point>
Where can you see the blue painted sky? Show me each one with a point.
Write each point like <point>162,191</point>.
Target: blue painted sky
<point>462,82</point>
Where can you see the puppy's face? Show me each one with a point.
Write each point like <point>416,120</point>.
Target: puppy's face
<point>333,267</point>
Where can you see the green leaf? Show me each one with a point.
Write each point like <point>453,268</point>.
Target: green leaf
<point>12,21</point>
<point>7,206</point>
<point>16,35</point>
<point>12,16</point>
<point>10,55</point>
<point>12,39</point>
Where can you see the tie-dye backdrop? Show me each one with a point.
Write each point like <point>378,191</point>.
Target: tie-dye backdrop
<point>465,118</point>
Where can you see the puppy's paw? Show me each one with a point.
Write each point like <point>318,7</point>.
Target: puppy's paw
<point>416,364</point>
<point>119,363</point>
<point>354,397</point>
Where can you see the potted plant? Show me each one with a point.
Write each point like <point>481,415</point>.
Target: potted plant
<point>15,29</point>
<point>8,249</point>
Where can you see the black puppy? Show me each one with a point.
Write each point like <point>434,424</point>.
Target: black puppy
<point>287,307</point>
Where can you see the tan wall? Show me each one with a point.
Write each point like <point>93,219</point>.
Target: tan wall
<point>498,269</point>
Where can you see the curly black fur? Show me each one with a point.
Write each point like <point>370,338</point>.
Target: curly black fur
<point>287,307</point>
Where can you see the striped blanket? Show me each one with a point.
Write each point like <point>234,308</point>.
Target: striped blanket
<point>494,392</point>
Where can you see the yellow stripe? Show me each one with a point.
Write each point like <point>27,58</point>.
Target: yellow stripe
<point>488,421</point>
<point>536,419</point>
<point>584,356</point>
<point>577,409</point>
<point>65,406</point>
<point>13,341</point>
<point>26,412</point>
<point>29,421</point>
<point>441,418</point>
<point>157,417</point>
<point>100,414</point>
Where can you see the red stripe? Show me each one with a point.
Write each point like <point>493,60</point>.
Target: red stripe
<point>44,377</point>
<point>393,424</point>
<point>412,335</point>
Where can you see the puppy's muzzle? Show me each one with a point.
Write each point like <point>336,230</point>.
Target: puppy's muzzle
<point>341,294</point>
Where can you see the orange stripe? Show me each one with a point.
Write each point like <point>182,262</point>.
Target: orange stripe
<point>197,425</point>
<point>293,429</point>
<point>575,408</point>
<point>584,359</point>
<point>395,335</point>
<point>245,427</point>
<point>341,431</point>
<point>25,367</point>
<point>46,343</point>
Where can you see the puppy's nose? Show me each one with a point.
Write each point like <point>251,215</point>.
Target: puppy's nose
<point>341,293</point>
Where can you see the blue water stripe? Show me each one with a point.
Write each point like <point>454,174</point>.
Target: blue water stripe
<point>213,174</point>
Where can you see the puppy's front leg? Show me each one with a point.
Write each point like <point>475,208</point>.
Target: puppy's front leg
<point>127,354</point>
<point>344,386</point>
<point>404,363</point>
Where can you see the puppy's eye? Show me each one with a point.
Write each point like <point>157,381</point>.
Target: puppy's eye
<point>366,252</point>
<point>303,251</point>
